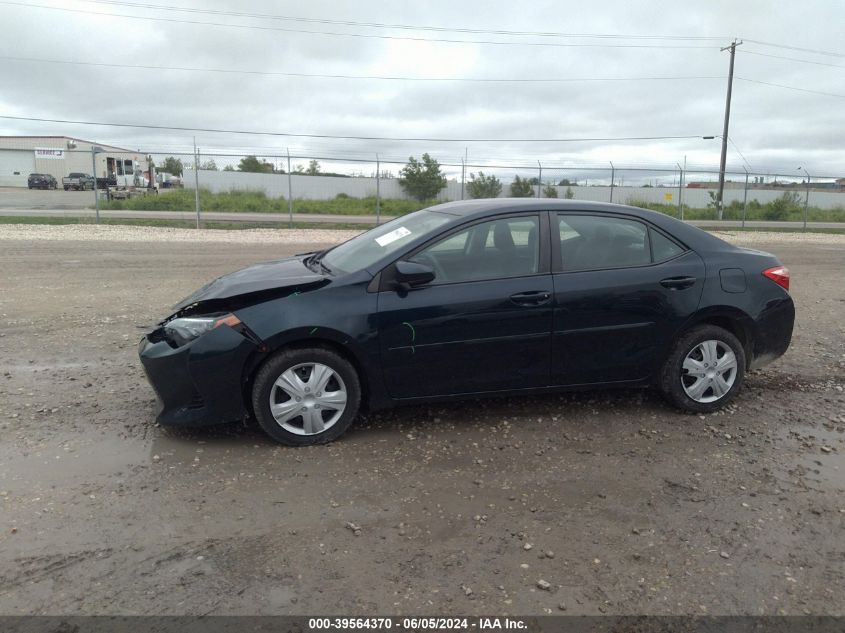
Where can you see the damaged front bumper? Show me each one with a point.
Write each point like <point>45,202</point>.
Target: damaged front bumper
<point>200,382</point>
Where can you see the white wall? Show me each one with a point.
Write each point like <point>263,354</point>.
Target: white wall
<point>327,187</point>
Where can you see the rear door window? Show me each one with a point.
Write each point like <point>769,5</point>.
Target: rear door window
<point>591,242</point>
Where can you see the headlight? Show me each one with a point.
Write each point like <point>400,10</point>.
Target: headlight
<point>184,330</point>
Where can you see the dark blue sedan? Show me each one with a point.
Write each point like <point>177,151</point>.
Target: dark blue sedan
<point>470,299</point>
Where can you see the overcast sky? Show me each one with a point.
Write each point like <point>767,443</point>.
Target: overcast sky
<point>775,129</point>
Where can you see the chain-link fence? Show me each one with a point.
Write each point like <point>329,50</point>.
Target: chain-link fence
<point>301,188</point>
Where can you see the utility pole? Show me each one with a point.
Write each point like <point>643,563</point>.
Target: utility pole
<point>719,205</point>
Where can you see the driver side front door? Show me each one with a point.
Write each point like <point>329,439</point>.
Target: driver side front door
<point>483,324</point>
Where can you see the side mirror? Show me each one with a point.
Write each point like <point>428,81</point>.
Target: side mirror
<point>410,274</point>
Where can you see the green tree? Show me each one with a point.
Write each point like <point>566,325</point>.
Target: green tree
<point>209,165</point>
<point>484,186</point>
<point>255,165</point>
<point>565,182</point>
<point>313,168</point>
<point>521,188</point>
<point>550,191</point>
<point>173,166</point>
<point>568,195</point>
<point>228,168</point>
<point>422,179</point>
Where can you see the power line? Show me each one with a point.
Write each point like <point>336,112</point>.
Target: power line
<point>357,35</point>
<point>792,59</point>
<point>341,76</point>
<point>412,27</point>
<point>739,151</point>
<point>815,92</point>
<point>353,137</point>
<point>814,51</point>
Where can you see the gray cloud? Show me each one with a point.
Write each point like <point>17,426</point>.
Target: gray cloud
<point>775,128</point>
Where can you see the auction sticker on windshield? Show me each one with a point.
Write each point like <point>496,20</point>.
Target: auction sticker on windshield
<point>396,234</point>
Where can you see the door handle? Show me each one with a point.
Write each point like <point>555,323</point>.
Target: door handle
<point>677,283</point>
<point>532,298</point>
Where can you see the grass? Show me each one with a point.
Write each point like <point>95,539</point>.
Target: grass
<point>783,209</point>
<point>258,202</point>
<point>787,207</point>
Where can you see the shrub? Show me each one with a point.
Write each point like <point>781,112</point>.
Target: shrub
<point>483,186</point>
<point>521,188</point>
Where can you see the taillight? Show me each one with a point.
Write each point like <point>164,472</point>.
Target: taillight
<point>778,274</point>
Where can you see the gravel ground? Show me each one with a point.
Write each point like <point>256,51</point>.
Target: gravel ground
<point>593,502</point>
<point>112,233</point>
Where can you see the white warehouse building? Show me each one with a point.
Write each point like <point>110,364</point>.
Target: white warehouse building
<point>62,155</point>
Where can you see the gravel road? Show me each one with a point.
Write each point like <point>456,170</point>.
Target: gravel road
<point>617,503</point>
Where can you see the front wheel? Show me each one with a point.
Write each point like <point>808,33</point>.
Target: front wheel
<point>306,396</point>
<point>704,370</point>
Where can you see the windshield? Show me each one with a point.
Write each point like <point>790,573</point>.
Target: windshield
<point>366,249</point>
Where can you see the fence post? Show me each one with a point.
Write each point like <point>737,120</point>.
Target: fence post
<point>463,176</point>
<point>197,180</point>
<point>806,200</point>
<point>680,192</point>
<point>745,199</point>
<point>96,193</point>
<point>540,181</point>
<point>290,193</point>
<point>378,190</point>
<point>612,176</point>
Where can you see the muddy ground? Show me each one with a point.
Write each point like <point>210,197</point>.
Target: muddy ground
<point>620,503</point>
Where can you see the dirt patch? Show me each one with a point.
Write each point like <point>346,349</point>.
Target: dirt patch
<point>620,503</point>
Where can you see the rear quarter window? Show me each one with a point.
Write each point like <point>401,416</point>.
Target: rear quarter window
<point>662,248</point>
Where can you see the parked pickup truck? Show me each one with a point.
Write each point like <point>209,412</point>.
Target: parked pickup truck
<point>78,181</point>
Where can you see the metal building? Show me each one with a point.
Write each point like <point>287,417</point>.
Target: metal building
<point>62,155</point>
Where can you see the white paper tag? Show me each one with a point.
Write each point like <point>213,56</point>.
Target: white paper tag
<point>394,235</point>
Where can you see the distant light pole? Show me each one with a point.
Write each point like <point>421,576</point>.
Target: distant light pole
<point>806,196</point>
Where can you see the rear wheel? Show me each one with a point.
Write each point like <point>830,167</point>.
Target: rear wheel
<point>704,371</point>
<point>306,396</point>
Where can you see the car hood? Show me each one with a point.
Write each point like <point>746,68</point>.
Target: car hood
<point>275,275</point>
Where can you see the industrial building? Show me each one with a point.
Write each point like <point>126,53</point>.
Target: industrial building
<point>62,155</point>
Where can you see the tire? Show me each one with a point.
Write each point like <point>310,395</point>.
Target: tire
<point>321,411</point>
<point>692,381</point>
<point>67,188</point>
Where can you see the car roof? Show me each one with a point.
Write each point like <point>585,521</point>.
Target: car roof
<point>693,237</point>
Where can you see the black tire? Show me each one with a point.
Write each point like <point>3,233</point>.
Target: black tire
<point>670,380</point>
<point>279,363</point>
<point>67,188</point>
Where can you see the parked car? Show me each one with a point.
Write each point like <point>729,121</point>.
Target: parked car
<point>78,182</point>
<point>41,181</point>
<point>471,299</point>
